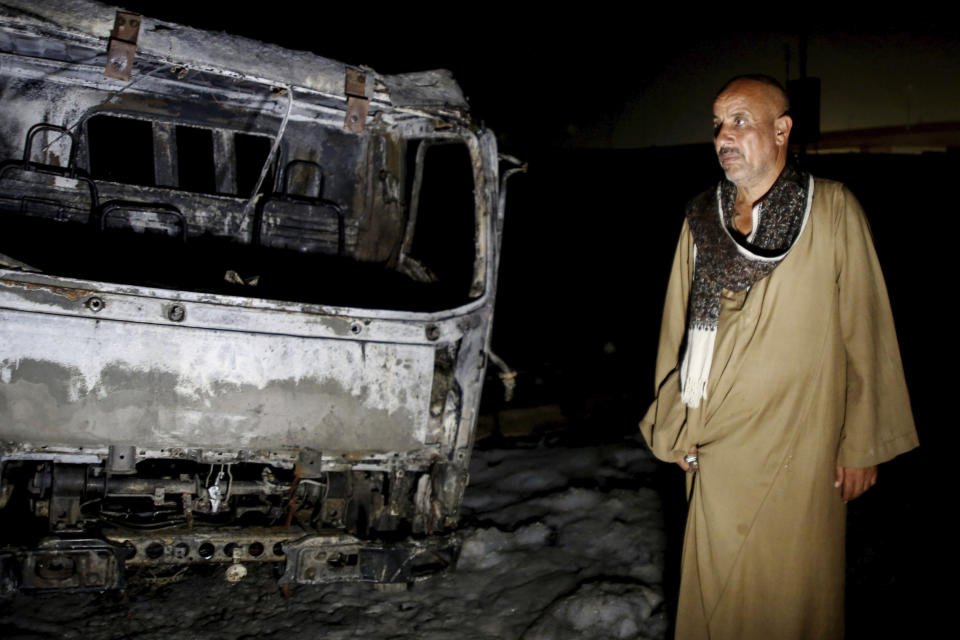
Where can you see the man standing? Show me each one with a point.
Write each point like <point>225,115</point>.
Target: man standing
<point>778,382</point>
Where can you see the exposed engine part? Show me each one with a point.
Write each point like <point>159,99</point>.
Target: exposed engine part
<point>67,497</point>
<point>324,559</point>
<point>214,492</point>
<point>182,513</point>
<point>183,546</point>
<point>64,493</point>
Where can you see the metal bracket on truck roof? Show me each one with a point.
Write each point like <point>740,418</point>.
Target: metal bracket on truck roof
<point>355,86</point>
<point>123,46</point>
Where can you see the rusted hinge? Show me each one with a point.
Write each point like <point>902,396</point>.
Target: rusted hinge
<point>123,46</point>
<point>355,86</point>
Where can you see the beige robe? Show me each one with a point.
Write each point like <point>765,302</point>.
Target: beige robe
<point>806,375</point>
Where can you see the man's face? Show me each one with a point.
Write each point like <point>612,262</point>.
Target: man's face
<point>748,134</point>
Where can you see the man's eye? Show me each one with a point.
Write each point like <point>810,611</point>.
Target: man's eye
<point>716,129</point>
<point>740,122</point>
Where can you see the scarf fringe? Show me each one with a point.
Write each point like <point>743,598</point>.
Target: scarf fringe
<point>695,367</point>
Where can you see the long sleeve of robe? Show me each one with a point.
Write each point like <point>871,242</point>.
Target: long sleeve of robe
<point>806,375</point>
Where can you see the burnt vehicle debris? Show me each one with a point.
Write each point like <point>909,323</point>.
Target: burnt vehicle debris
<point>246,296</point>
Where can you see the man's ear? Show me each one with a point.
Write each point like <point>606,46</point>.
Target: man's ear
<point>783,125</point>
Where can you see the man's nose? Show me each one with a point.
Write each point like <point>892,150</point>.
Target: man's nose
<point>723,130</point>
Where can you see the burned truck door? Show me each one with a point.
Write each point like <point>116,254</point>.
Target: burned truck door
<point>245,305</point>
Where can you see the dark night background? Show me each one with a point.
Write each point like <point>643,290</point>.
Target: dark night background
<point>600,107</point>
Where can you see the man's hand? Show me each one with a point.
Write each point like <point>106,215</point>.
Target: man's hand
<point>854,482</point>
<point>683,464</point>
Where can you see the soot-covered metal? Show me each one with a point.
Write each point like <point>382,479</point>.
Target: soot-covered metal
<point>245,304</point>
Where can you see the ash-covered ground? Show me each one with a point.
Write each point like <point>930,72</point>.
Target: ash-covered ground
<point>558,542</point>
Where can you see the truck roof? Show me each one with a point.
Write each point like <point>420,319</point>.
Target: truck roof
<point>85,28</point>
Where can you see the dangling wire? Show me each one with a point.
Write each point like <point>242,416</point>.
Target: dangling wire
<point>273,151</point>
<point>111,96</point>
<point>229,482</point>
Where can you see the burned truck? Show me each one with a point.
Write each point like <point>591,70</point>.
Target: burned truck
<point>246,297</point>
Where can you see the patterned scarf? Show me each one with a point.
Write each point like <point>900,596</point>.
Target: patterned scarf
<point>725,259</point>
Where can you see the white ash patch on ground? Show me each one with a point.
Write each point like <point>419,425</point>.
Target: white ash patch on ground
<point>558,542</point>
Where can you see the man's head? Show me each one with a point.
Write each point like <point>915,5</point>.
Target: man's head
<point>751,128</point>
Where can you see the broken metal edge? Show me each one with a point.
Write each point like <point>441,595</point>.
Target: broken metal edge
<point>75,289</point>
<point>47,294</point>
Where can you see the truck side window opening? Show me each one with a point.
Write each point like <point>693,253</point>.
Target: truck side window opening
<point>251,152</point>
<point>444,235</point>
<point>121,149</point>
<point>179,173</point>
<point>196,171</point>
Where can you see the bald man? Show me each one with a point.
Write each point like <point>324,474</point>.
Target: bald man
<point>779,382</point>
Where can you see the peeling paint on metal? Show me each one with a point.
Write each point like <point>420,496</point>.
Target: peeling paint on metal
<point>145,384</point>
<point>66,292</point>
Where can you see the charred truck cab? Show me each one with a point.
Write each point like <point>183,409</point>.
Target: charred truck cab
<point>245,304</point>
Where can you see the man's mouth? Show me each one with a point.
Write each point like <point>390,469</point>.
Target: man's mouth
<point>727,153</point>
